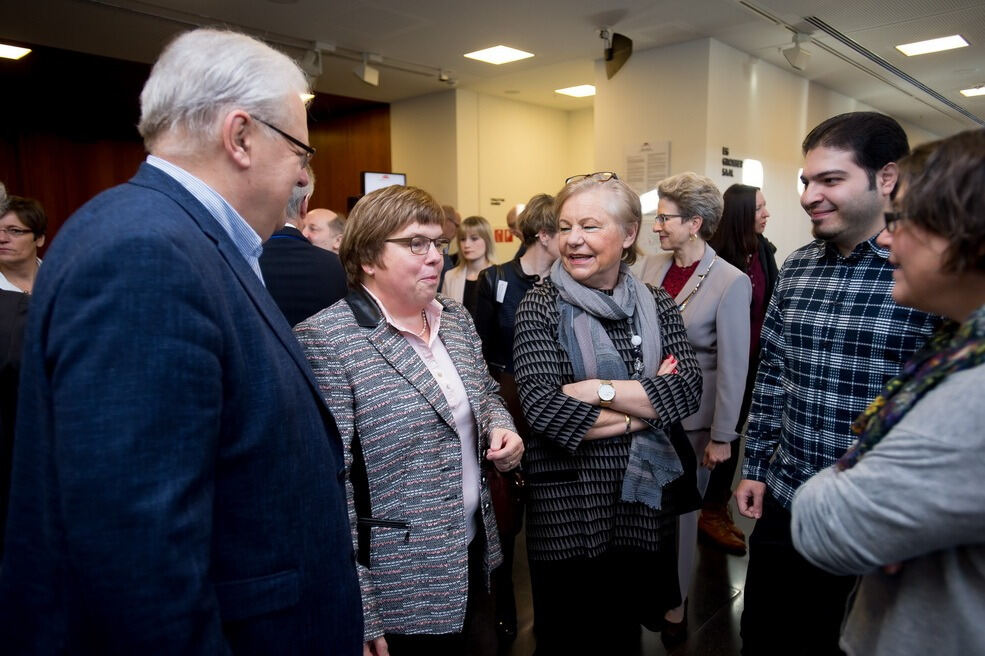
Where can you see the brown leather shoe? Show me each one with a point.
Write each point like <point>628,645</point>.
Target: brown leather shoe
<point>716,527</point>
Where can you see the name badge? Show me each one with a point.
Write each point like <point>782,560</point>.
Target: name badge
<point>501,291</point>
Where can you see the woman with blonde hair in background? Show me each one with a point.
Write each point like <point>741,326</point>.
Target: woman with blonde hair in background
<point>475,251</point>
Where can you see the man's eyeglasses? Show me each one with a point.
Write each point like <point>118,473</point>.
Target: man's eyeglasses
<point>661,219</point>
<point>16,232</point>
<point>421,245</point>
<point>309,152</point>
<point>598,176</point>
<point>892,221</point>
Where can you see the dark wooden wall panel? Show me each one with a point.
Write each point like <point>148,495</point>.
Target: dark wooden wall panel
<point>64,153</point>
<point>348,145</point>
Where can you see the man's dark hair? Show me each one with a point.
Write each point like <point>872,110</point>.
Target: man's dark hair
<point>873,139</point>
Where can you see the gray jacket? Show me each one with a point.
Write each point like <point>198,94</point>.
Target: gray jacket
<point>917,498</point>
<point>717,321</point>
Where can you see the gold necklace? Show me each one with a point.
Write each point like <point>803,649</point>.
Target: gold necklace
<point>701,277</point>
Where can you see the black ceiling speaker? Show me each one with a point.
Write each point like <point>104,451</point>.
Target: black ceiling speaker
<point>618,48</point>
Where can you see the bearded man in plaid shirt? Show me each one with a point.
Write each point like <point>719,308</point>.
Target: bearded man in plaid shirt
<point>831,339</point>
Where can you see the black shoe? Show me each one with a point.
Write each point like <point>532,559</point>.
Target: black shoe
<point>674,633</point>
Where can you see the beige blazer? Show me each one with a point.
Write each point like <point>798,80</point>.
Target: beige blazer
<point>717,322</point>
<point>454,285</point>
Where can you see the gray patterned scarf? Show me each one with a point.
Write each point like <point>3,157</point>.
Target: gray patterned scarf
<point>652,460</point>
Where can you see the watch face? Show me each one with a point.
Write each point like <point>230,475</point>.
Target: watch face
<point>607,392</point>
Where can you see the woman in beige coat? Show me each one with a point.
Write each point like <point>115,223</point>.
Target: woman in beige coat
<point>713,298</point>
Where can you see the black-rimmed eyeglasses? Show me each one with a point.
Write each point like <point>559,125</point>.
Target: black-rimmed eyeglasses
<point>14,231</point>
<point>598,176</point>
<point>421,245</point>
<point>892,221</point>
<point>309,152</point>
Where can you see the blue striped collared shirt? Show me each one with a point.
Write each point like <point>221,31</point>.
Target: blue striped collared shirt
<point>832,338</point>
<point>245,239</point>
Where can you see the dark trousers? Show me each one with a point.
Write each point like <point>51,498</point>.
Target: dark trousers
<point>478,636</point>
<point>719,490</point>
<point>791,607</point>
<point>594,606</point>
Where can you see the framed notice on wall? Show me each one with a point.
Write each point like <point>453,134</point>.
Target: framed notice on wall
<point>647,164</point>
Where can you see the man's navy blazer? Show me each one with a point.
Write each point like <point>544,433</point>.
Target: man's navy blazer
<point>177,481</point>
<point>303,278</point>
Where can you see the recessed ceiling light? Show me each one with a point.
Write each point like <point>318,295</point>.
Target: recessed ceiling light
<point>974,91</point>
<point>580,91</point>
<point>933,45</point>
<point>499,55</point>
<point>12,52</point>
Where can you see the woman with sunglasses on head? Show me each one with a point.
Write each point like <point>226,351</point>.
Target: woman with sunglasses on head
<point>713,297</point>
<point>904,507</point>
<point>403,374</point>
<point>604,374</point>
<point>22,227</point>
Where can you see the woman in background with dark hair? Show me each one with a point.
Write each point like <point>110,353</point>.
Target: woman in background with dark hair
<point>739,241</point>
<point>501,288</point>
<point>22,226</point>
<point>19,242</point>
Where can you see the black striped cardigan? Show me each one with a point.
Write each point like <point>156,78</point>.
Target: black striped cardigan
<point>573,507</point>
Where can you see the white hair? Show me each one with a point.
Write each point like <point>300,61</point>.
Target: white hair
<point>3,199</point>
<point>204,73</point>
<point>298,194</point>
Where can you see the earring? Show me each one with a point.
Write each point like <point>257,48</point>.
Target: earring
<point>692,237</point>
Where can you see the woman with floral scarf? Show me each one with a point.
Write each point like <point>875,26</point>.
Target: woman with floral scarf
<point>905,506</point>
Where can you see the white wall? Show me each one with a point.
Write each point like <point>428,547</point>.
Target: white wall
<point>659,95</point>
<point>703,95</point>
<point>424,143</point>
<point>468,148</point>
<point>581,142</point>
<point>525,150</point>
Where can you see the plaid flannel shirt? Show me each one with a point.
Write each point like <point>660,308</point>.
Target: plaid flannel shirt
<point>833,336</point>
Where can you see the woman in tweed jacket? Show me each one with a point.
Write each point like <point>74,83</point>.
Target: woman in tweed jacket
<point>404,376</point>
<point>605,372</point>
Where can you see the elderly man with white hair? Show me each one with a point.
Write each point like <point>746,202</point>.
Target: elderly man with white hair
<point>178,483</point>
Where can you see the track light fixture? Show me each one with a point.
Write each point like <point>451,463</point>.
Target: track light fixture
<point>367,73</point>
<point>796,56</point>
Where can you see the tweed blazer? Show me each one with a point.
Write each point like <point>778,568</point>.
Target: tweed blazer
<point>717,322</point>
<point>404,459</point>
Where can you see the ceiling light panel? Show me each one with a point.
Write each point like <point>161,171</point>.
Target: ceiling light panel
<point>499,55</point>
<point>974,91</point>
<point>580,91</point>
<point>12,52</point>
<point>933,45</point>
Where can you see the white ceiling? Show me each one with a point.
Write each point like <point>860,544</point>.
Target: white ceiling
<point>427,36</point>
